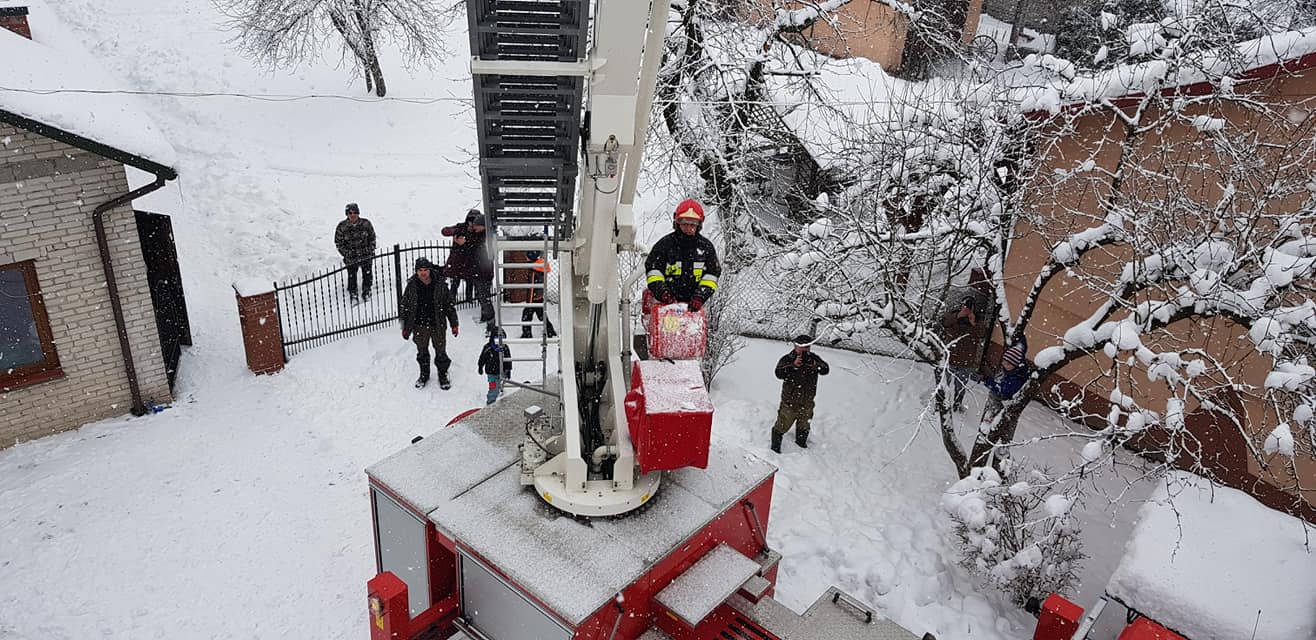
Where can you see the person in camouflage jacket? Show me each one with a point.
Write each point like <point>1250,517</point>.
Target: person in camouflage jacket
<point>355,240</point>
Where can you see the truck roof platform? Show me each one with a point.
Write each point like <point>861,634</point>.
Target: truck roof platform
<point>465,479</point>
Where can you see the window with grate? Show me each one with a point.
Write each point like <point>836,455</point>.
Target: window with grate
<point>27,348</point>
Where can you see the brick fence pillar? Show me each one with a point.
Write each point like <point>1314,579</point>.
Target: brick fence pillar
<point>262,337</point>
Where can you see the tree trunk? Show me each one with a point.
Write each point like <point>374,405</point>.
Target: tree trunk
<point>363,48</point>
<point>371,57</point>
<point>948,439</point>
<point>1017,22</point>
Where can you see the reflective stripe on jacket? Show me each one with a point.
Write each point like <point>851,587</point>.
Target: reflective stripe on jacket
<point>685,265</point>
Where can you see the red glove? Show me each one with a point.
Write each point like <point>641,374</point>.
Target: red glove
<point>454,330</point>
<point>406,335</point>
<point>696,303</point>
<point>666,297</point>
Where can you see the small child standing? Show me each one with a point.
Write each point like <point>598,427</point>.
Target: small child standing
<point>494,353</point>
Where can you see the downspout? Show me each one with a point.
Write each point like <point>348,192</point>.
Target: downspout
<point>103,243</point>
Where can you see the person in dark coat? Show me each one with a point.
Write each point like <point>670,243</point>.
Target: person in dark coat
<point>495,362</point>
<point>426,312</point>
<point>683,265</point>
<point>1010,379</point>
<point>964,334</point>
<point>798,371</point>
<point>469,260</point>
<point>355,240</point>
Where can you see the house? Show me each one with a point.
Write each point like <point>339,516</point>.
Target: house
<point>869,29</point>
<point>92,315</point>
<point>1183,153</point>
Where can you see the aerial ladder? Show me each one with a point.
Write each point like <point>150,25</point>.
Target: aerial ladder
<point>639,524</point>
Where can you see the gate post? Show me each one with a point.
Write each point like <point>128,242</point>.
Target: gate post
<point>397,273</point>
<point>262,335</point>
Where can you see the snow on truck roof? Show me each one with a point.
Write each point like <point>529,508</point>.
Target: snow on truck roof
<point>46,80</point>
<point>466,479</point>
<point>1214,564</point>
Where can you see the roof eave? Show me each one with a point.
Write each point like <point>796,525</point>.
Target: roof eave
<point>87,144</point>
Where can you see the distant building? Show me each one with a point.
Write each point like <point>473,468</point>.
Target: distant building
<point>92,315</point>
<point>869,29</point>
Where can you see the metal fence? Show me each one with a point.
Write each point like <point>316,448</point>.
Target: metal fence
<point>317,310</point>
<point>755,310</point>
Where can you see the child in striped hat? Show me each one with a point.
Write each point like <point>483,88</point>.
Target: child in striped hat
<point>1010,379</point>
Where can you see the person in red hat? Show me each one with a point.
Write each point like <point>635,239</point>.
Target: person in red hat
<point>683,265</point>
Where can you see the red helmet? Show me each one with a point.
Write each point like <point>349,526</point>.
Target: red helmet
<point>689,209</point>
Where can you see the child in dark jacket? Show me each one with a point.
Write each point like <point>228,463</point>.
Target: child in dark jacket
<point>491,355</point>
<point>1010,379</point>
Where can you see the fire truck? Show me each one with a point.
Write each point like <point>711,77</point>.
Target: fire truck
<point>594,505</point>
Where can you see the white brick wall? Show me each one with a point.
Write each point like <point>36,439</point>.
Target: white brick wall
<point>49,219</point>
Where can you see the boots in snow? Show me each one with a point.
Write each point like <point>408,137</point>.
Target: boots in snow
<point>423,379</point>
<point>802,440</point>
<point>444,382</point>
<point>776,442</point>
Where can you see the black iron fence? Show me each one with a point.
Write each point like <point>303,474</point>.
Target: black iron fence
<point>318,309</point>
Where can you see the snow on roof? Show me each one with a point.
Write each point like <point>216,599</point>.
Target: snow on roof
<point>851,98</point>
<point>1138,78</point>
<point>54,59</point>
<point>851,93</point>
<point>1212,563</point>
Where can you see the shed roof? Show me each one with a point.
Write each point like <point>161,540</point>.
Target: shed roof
<point>51,85</point>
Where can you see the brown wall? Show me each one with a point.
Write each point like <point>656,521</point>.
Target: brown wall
<point>1072,204</point>
<point>48,191</point>
<point>869,29</point>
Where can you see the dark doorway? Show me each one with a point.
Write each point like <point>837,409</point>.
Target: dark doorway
<point>157,235</point>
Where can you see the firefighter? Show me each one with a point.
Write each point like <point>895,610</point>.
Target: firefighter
<point>683,266</point>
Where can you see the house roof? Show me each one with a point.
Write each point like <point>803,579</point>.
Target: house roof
<point>52,86</point>
<point>1259,59</point>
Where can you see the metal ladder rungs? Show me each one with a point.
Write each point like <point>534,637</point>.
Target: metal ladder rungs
<point>524,359</point>
<point>530,340</point>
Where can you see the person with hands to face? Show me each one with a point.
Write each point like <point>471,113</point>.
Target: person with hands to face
<point>798,371</point>
<point>469,260</point>
<point>964,334</point>
<point>426,312</point>
<point>683,265</point>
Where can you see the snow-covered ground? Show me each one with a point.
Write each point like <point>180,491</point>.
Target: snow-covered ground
<point>242,510</point>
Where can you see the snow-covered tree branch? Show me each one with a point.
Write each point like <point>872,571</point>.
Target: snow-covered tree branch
<point>289,32</point>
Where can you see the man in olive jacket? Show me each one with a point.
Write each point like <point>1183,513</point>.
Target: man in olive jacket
<point>798,371</point>
<point>426,311</point>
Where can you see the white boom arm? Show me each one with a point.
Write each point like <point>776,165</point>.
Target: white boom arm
<point>623,67</point>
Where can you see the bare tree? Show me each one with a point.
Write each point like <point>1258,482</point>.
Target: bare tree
<point>288,32</point>
<point>1184,227</point>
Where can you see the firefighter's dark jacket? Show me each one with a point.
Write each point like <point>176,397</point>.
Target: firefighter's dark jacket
<point>799,384</point>
<point>685,265</point>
